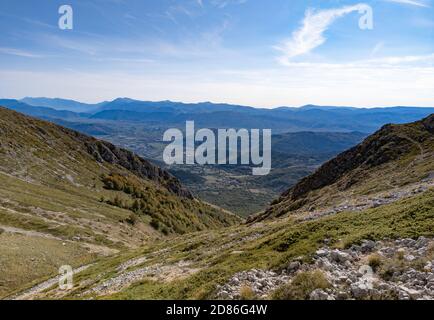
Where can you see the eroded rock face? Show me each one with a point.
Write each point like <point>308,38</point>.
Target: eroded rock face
<point>104,151</point>
<point>402,269</point>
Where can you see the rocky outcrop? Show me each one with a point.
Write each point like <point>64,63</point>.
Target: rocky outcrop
<point>402,269</point>
<point>104,151</point>
<point>429,123</point>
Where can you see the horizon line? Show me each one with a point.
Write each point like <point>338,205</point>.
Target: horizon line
<point>221,103</point>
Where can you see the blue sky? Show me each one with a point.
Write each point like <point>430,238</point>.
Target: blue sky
<point>263,53</point>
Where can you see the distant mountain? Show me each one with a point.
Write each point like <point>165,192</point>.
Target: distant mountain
<point>126,104</point>
<point>284,119</point>
<point>40,112</point>
<point>214,115</point>
<point>62,104</point>
<point>371,173</point>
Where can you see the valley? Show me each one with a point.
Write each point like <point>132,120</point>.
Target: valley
<point>303,139</point>
<point>132,231</point>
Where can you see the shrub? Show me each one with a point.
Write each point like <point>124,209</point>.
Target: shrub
<point>301,286</point>
<point>247,293</point>
<point>400,254</point>
<point>155,224</point>
<point>430,251</point>
<point>392,266</point>
<point>375,261</point>
<point>165,231</point>
<point>135,206</point>
<point>132,219</point>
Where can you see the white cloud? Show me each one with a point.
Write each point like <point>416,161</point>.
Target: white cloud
<point>311,34</point>
<point>411,2</point>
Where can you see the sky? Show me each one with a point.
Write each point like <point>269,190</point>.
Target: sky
<point>262,53</point>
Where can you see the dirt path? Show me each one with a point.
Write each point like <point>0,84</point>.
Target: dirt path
<point>28,232</point>
<point>94,248</point>
<point>420,147</point>
<point>29,294</point>
<point>157,272</point>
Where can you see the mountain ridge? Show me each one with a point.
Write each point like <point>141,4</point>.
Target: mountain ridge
<point>410,143</point>
<point>281,119</point>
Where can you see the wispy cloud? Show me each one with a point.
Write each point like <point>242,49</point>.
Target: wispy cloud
<point>429,58</point>
<point>19,53</point>
<point>378,47</point>
<point>411,2</point>
<point>225,3</point>
<point>311,34</point>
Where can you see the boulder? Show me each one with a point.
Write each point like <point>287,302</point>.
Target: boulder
<point>368,246</point>
<point>340,256</point>
<point>319,294</point>
<point>359,290</point>
<point>294,266</point>
<point>322,252</point>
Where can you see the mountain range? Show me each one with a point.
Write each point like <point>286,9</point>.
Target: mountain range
<point>212,115</point>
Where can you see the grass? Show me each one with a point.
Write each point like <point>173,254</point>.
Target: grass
<point>26,259</point>
<point>375,261</point>
<point>300,288</point>
<point>278,243</point>
<point>247,293</point>
<point>51,184</point>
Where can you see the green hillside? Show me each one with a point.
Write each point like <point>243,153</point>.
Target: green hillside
<point>83,198</point>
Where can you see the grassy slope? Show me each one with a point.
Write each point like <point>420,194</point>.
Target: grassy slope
<point>395,156</point>
<point>406,157</point>
<point>220,254</point>
<point>51,190</point>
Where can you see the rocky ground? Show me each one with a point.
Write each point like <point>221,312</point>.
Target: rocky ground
<point>373,201</point>
<point>158,272</point>
<point>402,269</point>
